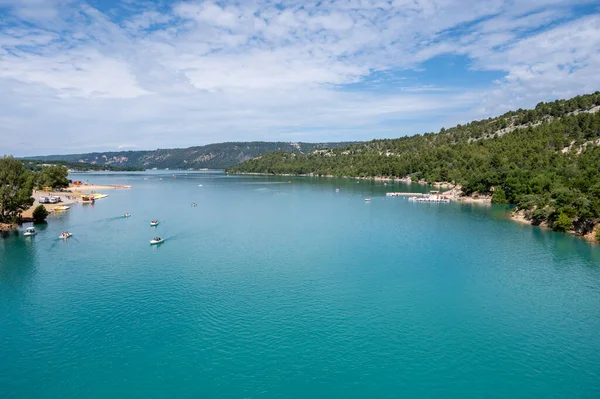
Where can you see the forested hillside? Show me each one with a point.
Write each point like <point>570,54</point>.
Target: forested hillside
<point>38,165</point>
<point>212,156</point>
<point>545,160</point>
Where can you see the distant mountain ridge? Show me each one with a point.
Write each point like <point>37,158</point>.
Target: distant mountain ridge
<point>211,156</point>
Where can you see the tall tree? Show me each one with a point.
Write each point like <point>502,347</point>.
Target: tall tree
<point>54,176</point>
<point>16,185</point>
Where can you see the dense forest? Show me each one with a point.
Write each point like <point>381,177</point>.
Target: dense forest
<point>212,156</point>
<point>546,161</point>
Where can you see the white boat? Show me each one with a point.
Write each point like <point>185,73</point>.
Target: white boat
<point>430,198</point>
<point>126,215</point>
<point>64,235</point>
<point>156,240</point>
<point>30,231</point>
<point>337,190</point>
<point>367,199</point>
<point>154,223</point>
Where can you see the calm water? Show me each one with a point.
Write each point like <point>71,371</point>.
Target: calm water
<point>270,289</point>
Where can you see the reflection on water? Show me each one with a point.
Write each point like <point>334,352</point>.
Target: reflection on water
<point>17,262</point>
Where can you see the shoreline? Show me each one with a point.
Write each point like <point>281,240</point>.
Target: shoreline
<point>515,216</point>
<point>519,217</point>
<point>451,194</point>
<point>71,195</point>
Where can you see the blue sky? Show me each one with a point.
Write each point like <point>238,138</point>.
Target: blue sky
<point>79,76</point>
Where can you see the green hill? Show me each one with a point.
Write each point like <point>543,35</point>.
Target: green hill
<point>212,156</point>
<point>545,160</point>
<point>38,165</point>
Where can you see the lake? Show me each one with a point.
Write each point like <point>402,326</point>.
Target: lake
<point>281,287</point>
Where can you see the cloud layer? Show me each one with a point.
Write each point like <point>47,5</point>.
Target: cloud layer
<point>154,74</point>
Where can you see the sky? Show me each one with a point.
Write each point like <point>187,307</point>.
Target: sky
<point>101,75</point>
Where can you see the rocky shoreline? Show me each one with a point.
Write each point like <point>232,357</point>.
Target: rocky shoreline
<point>519,217</point>
<point>7,227</point>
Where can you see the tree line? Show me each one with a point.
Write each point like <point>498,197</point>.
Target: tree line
<point>17,184</point>
<point>546,161</point>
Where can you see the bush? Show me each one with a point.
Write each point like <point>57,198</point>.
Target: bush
<point>563,223</point>
<point>499,196</point>
<point>598,233</point>
<point>539,215</point>
<point>39,214</point>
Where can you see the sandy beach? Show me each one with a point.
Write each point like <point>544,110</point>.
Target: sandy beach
<point>69,196</point>
<point>88,188</point>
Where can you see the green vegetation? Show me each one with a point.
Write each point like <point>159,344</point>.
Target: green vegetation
<point>16,186</point>
<point>54,176</point>
<point>40,214</point>
<point>563,223</point>
<point>37,165</point>
<point>17,180</point>
<point>546,161</point>
<point>212,156</point>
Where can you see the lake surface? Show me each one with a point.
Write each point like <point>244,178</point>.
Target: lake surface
<point>282,288</point>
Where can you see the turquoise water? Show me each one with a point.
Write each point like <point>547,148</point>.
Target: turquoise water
<point>270,289</point>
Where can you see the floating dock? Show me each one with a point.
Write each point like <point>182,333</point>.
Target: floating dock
<point>404,194</point>
<point>431,198</point>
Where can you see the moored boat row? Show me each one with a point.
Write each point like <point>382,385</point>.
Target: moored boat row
<point>430,198</point>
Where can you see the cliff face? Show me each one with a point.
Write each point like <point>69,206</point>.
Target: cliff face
<point>212,156</point>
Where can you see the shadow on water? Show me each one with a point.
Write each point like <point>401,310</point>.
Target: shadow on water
<point>19,261</point>
<point>563,245</point>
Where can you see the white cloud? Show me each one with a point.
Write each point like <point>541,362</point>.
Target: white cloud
<point>196,72</point>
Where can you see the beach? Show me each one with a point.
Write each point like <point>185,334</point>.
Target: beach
<point>69,196</point>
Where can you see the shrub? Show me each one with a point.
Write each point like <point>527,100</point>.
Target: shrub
<point>499,196</point>
<point>539,215</point>
<point>563,223</point>
<point>598,233</point>
<point>39,214</point>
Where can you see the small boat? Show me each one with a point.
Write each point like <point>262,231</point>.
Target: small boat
<point>61,208</point>
<point>126,215</point>
<point>199,185</point>
<point>64,235</point>
<point>156,240</point>
<point>337,190</point>
<point>154,223</point>
<point>30,231</point>
<point>88,199</point>
<point>367,199</point>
